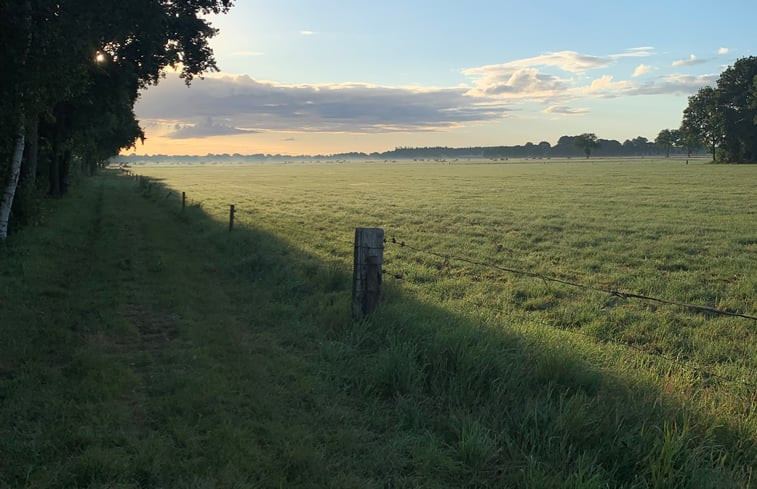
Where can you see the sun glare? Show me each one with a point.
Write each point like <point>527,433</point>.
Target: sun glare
<point>100,58</point>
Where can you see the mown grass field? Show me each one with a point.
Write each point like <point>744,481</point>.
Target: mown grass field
<point>187,356</point>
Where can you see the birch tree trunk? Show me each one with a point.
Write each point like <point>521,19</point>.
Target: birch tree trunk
<point>9,190</point>
<point>10,187</point>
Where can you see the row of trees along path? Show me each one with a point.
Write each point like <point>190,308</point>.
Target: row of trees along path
<point>71,73</point>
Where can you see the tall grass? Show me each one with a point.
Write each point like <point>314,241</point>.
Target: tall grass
<point>221,359</point>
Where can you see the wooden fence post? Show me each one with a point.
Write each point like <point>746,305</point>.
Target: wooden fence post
<point>366,277</point>
<point>183,200</point>
<point>231,217</point>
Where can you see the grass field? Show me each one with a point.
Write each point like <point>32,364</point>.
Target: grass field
<point>187,356</point>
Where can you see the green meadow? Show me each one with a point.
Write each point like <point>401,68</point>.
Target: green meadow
<point>145,345</point>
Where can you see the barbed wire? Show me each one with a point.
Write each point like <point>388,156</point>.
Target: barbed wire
<point>703,372</point>
<point>548,278</point>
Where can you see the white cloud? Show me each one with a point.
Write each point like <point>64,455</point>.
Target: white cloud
<point>516,83</point>
<point>524,79</point>
<point>603,87</point>
<point>641,70</point>
<point>640,52</point>
<point>691,61</point>
<point>245,104</point>
<point>203,129</point>
<point>569,61</point>
<point>565,110</point>
<point>674,85</point>
<point>723,51</point>
<point>229,104</point>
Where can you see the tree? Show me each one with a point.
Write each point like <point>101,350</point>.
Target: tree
<point>49,50</point>
<point>724,118</point>
<point>587,142</point>
<point>17,122</point>
<point>666,139</point>
<point>703,118</point>
<point>737,102</point>
<point>689,141</point>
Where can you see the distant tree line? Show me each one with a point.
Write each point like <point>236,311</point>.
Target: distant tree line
<point>566,147</point>
<point>72,70</point>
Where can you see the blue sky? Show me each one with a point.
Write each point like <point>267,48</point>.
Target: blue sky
<point>332,76</point>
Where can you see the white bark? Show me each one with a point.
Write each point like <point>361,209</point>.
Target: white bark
<point>10,187</point>
<point>9,191</point>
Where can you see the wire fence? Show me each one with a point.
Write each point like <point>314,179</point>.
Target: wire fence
<point>548,278</point>
<point>252,219</point>
<point>688,365</point>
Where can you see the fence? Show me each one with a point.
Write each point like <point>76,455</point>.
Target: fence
<point>368,272</point>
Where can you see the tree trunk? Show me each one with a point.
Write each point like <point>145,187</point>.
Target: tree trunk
<point>9,191</point>
<point>10,187</point>
<point>65,170</point>
<point>54,176</point>
<point>29,170</point>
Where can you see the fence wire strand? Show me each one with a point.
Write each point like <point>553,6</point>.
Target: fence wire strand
<point>702,372</point>
<point>548,278</point>
<point>699,370</point>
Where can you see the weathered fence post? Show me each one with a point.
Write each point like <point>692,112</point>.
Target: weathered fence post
<point>183,200</point>
<point>366,277</point>
<point>231,217</point>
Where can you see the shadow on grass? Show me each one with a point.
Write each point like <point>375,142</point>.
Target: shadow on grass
<point>414,396</point>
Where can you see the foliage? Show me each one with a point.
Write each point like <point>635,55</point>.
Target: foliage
<point>587,142</point>
<point>737,99</point>
<point>85,66</point>
<point>667,139</point>
<point>724,118</point>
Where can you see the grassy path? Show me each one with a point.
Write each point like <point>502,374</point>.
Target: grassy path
<point>145,347</point>
<point>130,360</point>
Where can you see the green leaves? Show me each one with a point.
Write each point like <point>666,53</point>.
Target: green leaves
<point>587,142</point>
<point>723,118</point>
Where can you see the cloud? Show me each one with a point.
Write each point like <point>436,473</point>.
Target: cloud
<point>641,70</point>
<point>522,83</point>
<point>307,33</point>
<point>640,52</point>
<point>674,85</point>
<point>205,128</point>
<point>691,61</point>
<point>565,110</point>
<point>222,104</point>
<point>569,61</point>
<point>524,79</point>
<point>723,51</point>
<point>245,104</point>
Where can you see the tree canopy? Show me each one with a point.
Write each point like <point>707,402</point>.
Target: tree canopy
<point>73,69</point>
<point>587,142</point>
<point>724,118</point>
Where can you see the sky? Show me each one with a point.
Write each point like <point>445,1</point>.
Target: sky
<point>324,77</point>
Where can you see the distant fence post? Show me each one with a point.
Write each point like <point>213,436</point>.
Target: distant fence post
<point>366,277</point>
<point>231,217</point>
<point>183,200</point>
